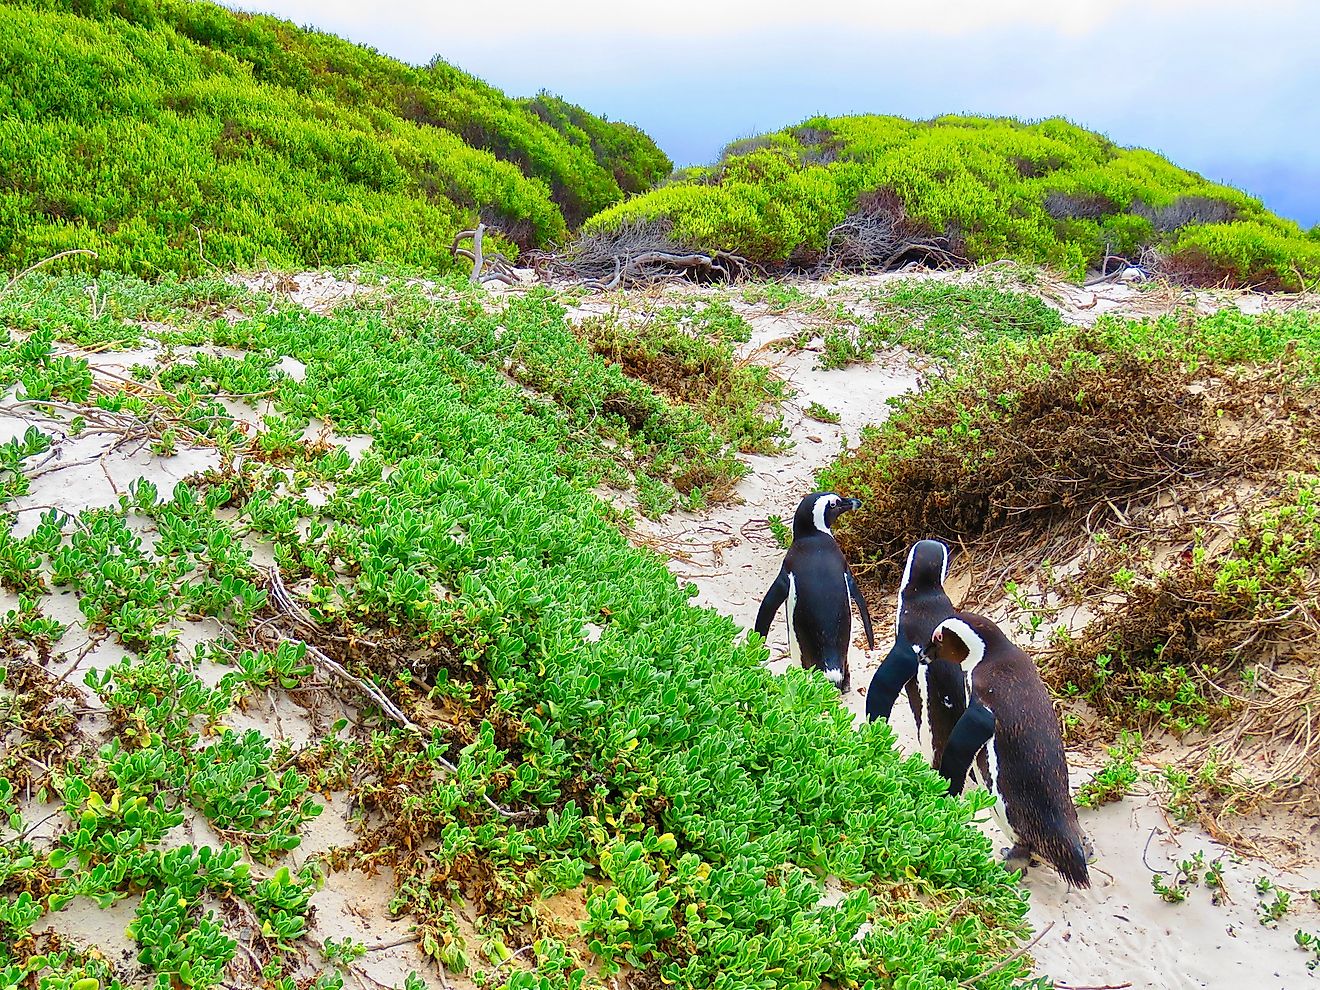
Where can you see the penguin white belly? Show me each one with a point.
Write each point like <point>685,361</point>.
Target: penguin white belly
<point>794,650</point>
<point>990,783</point>
<point>924,739</point>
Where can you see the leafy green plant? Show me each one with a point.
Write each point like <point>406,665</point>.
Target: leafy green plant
<point>1271,909</point>
<point>1188,875</point>
<point>1114,780</point>
<point>539,713</point>
<point>1308,942</point>
<point>816,411</point>
<point>279,145</point>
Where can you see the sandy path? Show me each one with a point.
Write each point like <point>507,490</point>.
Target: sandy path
<point>1119,933</point>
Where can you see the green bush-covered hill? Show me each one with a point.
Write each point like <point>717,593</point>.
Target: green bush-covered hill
<point>1048,192</point>
<point>161,132</point>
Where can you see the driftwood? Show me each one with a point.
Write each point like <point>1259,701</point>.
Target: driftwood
<point>636,254</point>
<point>498,268</point>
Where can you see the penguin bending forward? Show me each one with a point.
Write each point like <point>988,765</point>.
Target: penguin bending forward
<point>816,583</point>
<point>1008,739</point>
<point>935,690</point>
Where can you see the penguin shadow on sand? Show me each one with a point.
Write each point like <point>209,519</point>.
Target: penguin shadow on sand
<point>981,711</point>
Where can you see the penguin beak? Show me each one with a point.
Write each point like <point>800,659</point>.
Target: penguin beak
<point>851,504</point>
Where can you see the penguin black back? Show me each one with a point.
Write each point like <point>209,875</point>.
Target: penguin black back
<point>817,584</point>
<point>935,690</point>
<point>1010,730</point>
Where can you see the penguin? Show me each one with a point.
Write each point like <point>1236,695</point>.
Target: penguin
<point>934,690</point>
<point>816,582</point>
<point>1008,740</point>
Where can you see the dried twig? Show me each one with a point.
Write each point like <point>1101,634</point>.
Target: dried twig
<point>44,261</point>
<point>289,609</point>
<point>1008,959</point>
<point>637,254</point>
<point>499,268</point>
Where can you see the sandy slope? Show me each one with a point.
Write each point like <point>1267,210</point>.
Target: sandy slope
<point>1119,933</point>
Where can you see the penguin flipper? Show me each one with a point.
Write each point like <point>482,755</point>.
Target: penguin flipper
<point>889,679</point>
<point>973,731</point>
<point>865,613</point>
<point>776,596</point>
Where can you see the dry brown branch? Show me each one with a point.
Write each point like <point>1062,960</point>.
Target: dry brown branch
<point>1017,953</point>
<point>879,237</point>
<point>44,261</point>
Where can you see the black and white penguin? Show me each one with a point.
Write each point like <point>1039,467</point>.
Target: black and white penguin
<point>934,690</point>
<point>816,583</point>
<point>1009,741</point>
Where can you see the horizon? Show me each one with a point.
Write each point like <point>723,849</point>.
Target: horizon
<point>1123,69</point>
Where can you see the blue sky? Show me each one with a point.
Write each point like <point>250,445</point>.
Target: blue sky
<point>1226,89</point>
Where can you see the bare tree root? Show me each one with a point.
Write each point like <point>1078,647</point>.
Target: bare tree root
<point>637,254</point>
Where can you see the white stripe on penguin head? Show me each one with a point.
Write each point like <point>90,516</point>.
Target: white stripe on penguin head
<point>970,639</point>
<point>944,565</point>
<point>907,571</point>
<point>818,511</point>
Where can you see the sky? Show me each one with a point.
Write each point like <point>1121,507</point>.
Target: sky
<point>1230,90</point>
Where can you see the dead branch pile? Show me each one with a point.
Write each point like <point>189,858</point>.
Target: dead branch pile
<point>879,236</point>
<point>637,253</point>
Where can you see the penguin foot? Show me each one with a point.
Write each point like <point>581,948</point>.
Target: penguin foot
<point>1017,857</point>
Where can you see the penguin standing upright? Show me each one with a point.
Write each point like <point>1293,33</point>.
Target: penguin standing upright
<point>1008,739</point>
<point>934,690</point>
<point>816,582</point>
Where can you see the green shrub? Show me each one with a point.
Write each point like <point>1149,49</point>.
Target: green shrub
<point>635,161</point>
<point>1044,193</point>
<point>171,136</point>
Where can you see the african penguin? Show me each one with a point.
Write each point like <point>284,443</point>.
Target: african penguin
<point>1008,739</point>
<point>816,583</point>
<point>934,690</point>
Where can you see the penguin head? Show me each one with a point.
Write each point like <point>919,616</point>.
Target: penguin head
<point>959,639</point>
<point>818,511</point>
<point>927,565</point>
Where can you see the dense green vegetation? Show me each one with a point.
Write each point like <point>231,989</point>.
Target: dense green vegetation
<point>635,161</point>
<point>1045,193</point>
<point>169,135</point>
<point>582,735</point>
